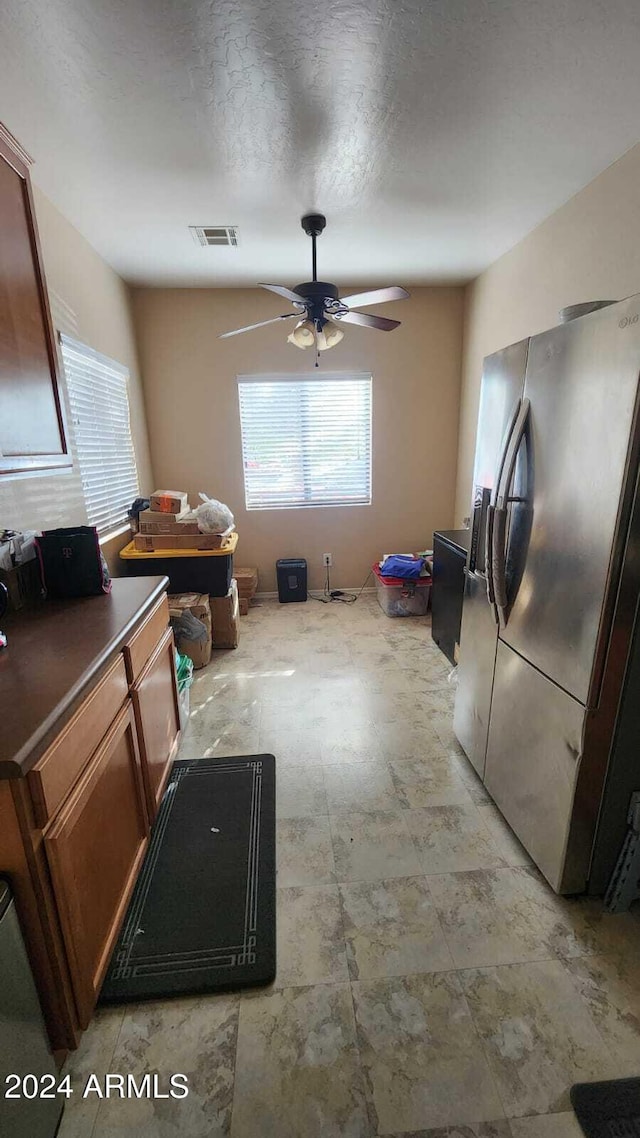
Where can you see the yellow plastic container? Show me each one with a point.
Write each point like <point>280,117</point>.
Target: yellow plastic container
<point>131,554</point>
<point>189,570</point>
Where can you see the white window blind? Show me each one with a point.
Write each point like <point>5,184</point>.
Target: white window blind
<point>99,406</point>
<point>306,440</point>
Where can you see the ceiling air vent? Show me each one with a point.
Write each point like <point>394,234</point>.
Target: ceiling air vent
<point>214,234</point>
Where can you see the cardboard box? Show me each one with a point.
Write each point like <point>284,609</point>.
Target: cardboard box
<point>24,585</point>
<point>225,618</point>
<point>169,502</point>
<point>159,516</point>
<point>180,529</point>
<point>247,581</point>
<point>243,603</point>
<point>150,521</point>
<point>150,542</point>
<point>198,605</point>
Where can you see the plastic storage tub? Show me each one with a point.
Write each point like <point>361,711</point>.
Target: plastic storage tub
<point>189,570</point>
<point>291,573</point>
<point>398,597</point>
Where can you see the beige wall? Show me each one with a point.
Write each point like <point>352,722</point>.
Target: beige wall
<point>99,303</point>
<point>194,427</point>
<point>588,250</point>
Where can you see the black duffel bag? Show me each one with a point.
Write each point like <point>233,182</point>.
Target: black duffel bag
<point>71,562</point>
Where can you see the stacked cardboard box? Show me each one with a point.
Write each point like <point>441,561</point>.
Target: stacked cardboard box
<point>225,619</point>
<point>167,525</point>
<point>169,502</point>
<point>149,543</point>
<point>23,584</point>
<point>151,522</point>
<point>247,584</point>
<point>198,605</point>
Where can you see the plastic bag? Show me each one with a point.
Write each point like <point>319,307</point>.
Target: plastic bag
<point>137,506</point>
<point>401,565</point>
<point>213,516</point>
<point>184,671</point>
<point>188,627</point>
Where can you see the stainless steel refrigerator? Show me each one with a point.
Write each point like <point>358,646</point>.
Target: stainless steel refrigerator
<point>29,1105</point>
<point>551,590</point>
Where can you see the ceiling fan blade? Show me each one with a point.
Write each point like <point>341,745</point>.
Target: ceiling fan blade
<point>287,293</point>
<point>367,320</point>
<point>376,296</point>
<point>261,324</point>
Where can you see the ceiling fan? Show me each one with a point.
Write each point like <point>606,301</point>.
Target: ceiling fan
<point>319,308</point>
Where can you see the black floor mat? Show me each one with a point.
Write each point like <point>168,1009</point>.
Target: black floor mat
<point>605,1110</point>
<point>202,914</point>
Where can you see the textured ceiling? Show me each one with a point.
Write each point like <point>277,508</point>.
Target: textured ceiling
<point>433,133</point>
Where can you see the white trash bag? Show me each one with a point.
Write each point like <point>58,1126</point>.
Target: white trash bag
<point>213,516</point>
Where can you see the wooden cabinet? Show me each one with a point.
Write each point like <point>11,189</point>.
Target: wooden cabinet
<point>55,774</point>
<point>94,849</point>
<point>155,700</point>
<point>144,641</point>
<point>80,786</point>
<point>32,434</point>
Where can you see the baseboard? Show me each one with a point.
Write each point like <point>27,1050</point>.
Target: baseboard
<point>274,596</point>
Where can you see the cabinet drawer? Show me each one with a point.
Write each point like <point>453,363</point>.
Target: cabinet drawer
<point>94,849</point>
<point>145,639</point>
<point>55,773</point>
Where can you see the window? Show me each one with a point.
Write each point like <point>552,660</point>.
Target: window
<point>306,441</point>
<point>99,406</point>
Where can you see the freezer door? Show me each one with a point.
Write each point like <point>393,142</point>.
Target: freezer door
<point>533,761</point>
<point>478,640</point>
<point>581,381</point>
<point>502,383</point>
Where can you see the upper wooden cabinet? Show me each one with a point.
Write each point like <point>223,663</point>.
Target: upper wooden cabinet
<point>32,434</point>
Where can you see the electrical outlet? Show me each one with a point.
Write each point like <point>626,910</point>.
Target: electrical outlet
<point>327,560</point>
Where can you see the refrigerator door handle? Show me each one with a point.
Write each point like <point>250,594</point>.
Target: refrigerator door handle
<point>500,514</point>
<point>491,596</point>
<point>489,546</point>
<point>499,582</point>
<point>487,554</point>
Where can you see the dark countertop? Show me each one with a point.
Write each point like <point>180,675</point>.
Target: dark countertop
<point>53,653</point>
<point>458,537</point>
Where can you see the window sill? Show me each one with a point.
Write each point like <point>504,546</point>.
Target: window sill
<point>310,506</point>
<point>107,537</point>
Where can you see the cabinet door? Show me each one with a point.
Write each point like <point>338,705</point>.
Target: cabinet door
<point>94,849</point>
<point>155,699</point>
<point>31,422</point>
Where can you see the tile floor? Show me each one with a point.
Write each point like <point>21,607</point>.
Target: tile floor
<point>428,980</point>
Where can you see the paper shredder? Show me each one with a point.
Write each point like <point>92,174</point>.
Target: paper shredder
<point>292,579</point>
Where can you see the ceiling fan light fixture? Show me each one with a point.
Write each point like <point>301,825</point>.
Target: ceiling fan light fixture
<point>303,335</point>
<point>329,337</point>
<point>317,304</point>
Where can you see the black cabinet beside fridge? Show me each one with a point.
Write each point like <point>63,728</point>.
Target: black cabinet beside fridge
<point>449,558</point>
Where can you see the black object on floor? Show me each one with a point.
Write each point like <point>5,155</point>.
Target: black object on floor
<point>291,574</point>
<point>202,914</point>
<point>606,1109</point>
